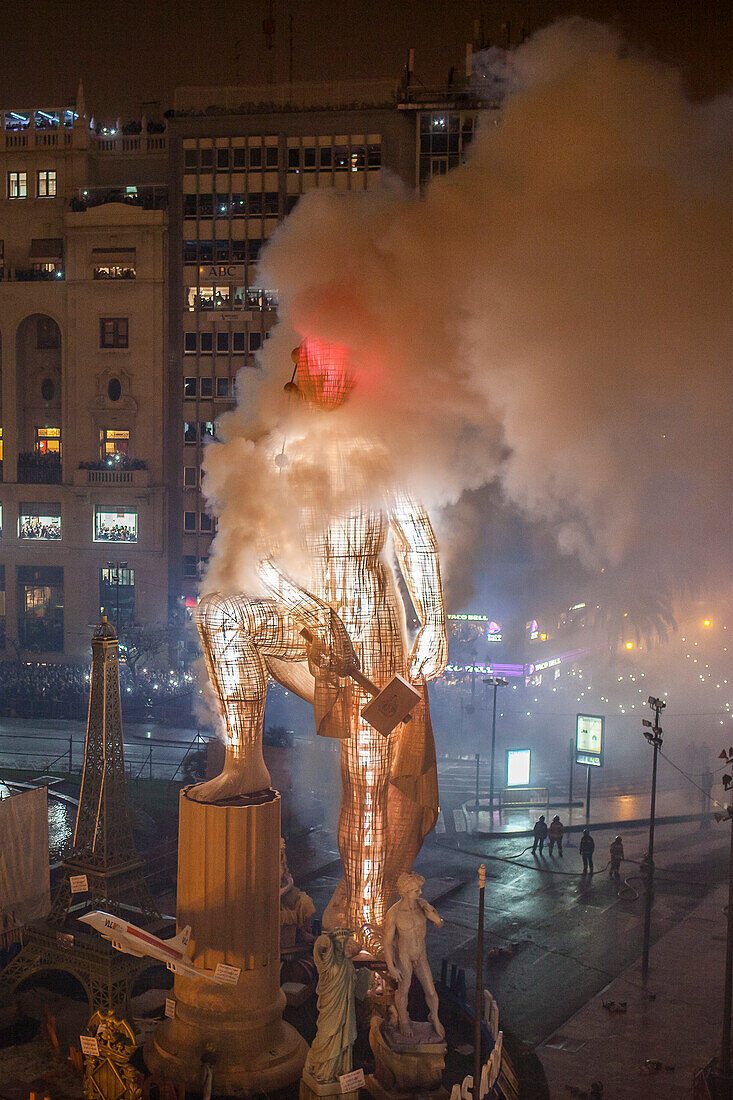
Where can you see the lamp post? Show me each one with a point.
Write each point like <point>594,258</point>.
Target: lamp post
<point>653,734</point>
<point>495,682</point>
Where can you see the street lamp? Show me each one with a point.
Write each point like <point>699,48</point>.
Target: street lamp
<point>495,682</point>
<point>653,734</point>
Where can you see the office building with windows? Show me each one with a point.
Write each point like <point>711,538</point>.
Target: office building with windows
<point>83,369</point>
<point>240,158</point>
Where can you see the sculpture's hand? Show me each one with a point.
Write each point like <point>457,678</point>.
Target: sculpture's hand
<point>429,653</point>
<point>394,973</point>
<point>332,651</point>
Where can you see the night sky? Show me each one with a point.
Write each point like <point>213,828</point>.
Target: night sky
<point>129,54</point>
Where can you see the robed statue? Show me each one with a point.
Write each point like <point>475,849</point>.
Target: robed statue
<point>329,1056</point>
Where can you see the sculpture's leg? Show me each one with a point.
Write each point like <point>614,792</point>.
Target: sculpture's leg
<point>363,827</point>
<point>238,634</point>
<point>425,977</point>
<point>400,997</point>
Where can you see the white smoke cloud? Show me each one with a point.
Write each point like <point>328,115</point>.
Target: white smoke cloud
<point>553,317</point>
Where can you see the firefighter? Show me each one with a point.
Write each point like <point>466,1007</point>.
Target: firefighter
<point>540,833</point>
<point>617,854</point>
<point>556,833</point>
<point>587,847</point>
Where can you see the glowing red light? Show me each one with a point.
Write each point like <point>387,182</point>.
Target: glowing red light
<point>325,373</point>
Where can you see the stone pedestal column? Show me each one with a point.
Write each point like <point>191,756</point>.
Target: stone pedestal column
<point>228,891</point>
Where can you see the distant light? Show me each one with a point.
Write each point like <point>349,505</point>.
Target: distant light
<point>707,622</point>
<point>629,645</point>
<point>147,734</point>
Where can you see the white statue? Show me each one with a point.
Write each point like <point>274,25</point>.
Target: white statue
<point>404,949</point>
<point>330,1052</point>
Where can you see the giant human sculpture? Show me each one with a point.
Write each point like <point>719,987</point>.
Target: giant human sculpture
<point>350,604</point>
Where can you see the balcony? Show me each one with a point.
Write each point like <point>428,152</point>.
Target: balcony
<point>148,198</point>
<point>34,275</point>
<point>132,472</point>
<point>39,469</point>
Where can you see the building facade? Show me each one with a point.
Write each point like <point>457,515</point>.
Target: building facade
<point>129,303</point>
<point>83,400</point>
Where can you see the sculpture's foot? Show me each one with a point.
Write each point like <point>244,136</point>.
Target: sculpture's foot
<point>437,1026</point>
<point>229,785</point>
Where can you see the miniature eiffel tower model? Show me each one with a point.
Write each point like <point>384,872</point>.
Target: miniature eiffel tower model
<point>103,849</point>
<point>102,870</point>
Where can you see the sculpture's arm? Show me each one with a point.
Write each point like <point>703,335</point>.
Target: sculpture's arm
<point>313,613</point>
<point>431,913</point>
<point>417,553</point>
<point>388,947</point>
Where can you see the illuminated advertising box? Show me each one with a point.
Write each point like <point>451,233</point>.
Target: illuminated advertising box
<point>589,731</point>
<point>517,767</point>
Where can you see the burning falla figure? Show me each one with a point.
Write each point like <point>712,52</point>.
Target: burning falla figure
<point>350,612</point>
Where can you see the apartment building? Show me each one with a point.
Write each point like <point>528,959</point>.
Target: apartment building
<point>83,368</point>
<point>240,158</point>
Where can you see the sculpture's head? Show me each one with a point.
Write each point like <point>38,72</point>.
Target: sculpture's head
<point>410,883</point>
<point>324,372</point>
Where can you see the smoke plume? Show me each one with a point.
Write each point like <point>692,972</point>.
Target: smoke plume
<point>553,318</point>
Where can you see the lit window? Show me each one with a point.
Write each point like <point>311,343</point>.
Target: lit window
<point>111,526</point>
<point>207,428</point>
<point>113,332</point>
<point>114,271</point>
<point>113,442</point>
<point>189,432</point>
<point>46,185</point>
<point>39,521</point>
<point>48,441</point>
<point>17,185</point>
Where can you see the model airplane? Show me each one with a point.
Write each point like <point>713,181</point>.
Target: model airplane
<point>132,940</point>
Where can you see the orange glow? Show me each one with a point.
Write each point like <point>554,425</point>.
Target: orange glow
<point>325,373</point>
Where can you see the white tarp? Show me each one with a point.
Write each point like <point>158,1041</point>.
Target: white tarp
<point>25,888</point>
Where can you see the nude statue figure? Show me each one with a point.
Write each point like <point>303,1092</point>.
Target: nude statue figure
<point>404,949</point>
<point>350,604</point>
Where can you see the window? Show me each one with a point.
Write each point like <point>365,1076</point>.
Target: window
<point>113,441</point>
<point>271,156</point>
<point>222,251</point>
<point>1,444</point>
<point>189,206</point>
<point>113,332</point>
<point>115,526</point>
<point>39,521</point>
<point>190,160</point>
<point>206,427</point>
<point>271,202</point>
<point>222,387</point>
<point>206,155</point>
<point>190,477</point>
<point>190,252</point>
<point>255,157</point>
<point>189,389</point>
<point>114,389</point>
<point>255,341</point>
<point>190,568</point>
<point>1,530</point>
<point>238,342</point>
<point>189,522</point>
<point>47,334</point>
<point>117,592</point>
<point>189,343</point>
<point>48,389</point>
<point>207,523</point>
<point>238,205</point>
<point>189,432</point>
<point>46,185</point>
<point>293,159</point>
<point>326,152</point>
<point>47,441</point>
<point>41,608</point>
<point>17,185</point>
<point>309,158</point>
<point>207,297</point>
<point>207,342</point>
<point>239,156</point>
<point>222,342</point>
<point>254,204</point>
<point>374,156</point>
<point>114,271</point>
<point>222,159</point>
<point>206,251</point>
<point>207,387</point>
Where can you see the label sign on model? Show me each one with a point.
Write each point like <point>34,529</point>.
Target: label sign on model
<point>350,1082</point>
<point>78,884</point>
<point>226,973</point>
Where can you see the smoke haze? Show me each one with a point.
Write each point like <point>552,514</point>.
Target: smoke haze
<point>551,319</point>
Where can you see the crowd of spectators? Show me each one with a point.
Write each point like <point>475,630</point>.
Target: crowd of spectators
<point>33,527</point>
<point>33,690</point>
<point>117,532</point>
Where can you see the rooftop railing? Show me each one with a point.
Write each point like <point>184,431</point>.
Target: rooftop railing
<point>147,198</point>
